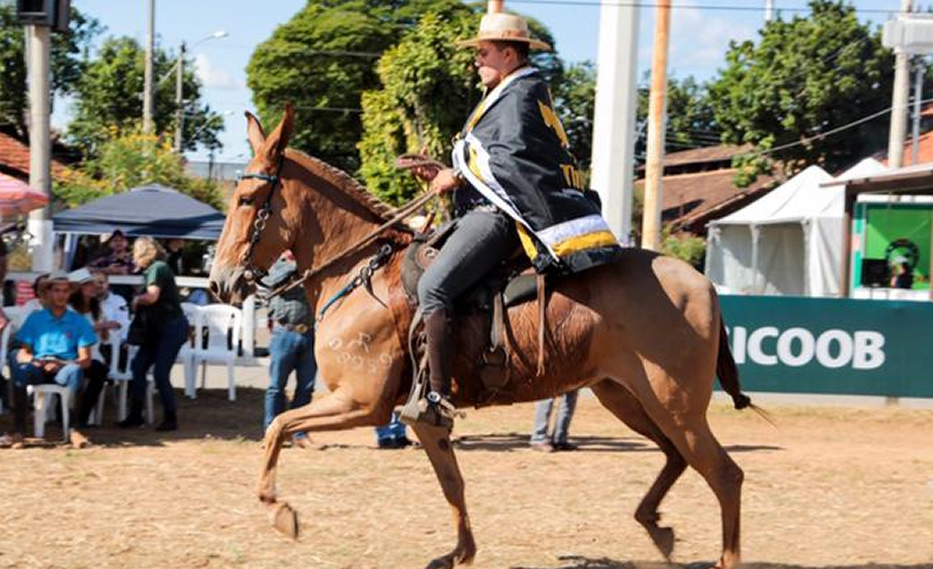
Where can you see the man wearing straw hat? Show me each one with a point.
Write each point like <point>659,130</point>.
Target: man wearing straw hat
<point>514,181</point>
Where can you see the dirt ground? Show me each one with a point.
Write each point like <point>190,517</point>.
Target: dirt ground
<point>830,487</point>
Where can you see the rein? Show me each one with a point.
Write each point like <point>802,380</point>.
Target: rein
<point>397,215</point>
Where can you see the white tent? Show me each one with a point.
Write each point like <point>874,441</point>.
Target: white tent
<point>787,243</point>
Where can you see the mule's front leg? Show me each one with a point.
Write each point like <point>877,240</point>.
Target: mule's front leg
<point>330,412</point>
<point>436,442</point>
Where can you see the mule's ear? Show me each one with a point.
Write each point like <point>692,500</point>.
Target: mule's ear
<point>257,138</point>
<point>278,140</point>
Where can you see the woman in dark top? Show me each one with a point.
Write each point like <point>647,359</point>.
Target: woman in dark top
<point>166,332</point>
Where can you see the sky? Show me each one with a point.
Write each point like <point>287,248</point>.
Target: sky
<point>700,34</point>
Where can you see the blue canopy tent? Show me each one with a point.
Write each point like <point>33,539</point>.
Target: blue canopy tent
<point>151,210</point>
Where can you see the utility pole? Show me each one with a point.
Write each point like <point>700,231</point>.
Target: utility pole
<point>148,88</point>
<point>654,166</point>
<point>40,145</point>
<point>614,119</point>
<point>769,10</point>
<point>495,6</point>
<point>899,102</point>
<point>180,99</point>
<point>918,94</point>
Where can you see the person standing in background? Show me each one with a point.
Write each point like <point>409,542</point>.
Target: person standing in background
<point>557,441</point>
<point>291,348</point>
<point>166,331</point>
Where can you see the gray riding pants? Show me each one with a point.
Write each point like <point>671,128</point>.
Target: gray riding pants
<point>482,239</point>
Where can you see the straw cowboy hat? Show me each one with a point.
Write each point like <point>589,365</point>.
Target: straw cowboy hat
<point>54,278</point>
<point>504,27</point>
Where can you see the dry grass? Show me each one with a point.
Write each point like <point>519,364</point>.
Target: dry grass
<point>846,488</point>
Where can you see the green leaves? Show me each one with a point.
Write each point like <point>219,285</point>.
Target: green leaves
<point>127,159</point>
<point>109,95</point>
<point>803,77</point>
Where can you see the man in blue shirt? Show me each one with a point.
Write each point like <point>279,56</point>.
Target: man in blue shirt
<point>54,347</point>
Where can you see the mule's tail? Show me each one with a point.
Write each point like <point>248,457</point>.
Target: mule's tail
<point>728,374</point>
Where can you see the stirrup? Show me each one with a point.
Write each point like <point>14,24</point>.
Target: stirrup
<point>438,413</point>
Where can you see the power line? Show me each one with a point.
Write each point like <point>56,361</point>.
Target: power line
<point>712,7</point>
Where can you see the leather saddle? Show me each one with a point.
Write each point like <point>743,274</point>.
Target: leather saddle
<point>513,283</point>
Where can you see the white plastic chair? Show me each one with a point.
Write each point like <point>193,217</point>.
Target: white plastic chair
<point>186,353</point>
<point>223,324</point>
<point>115,343</point>
<point>16,314</point>
<point>122,377</point>
<point>42,395</point>
<point>4,351</point>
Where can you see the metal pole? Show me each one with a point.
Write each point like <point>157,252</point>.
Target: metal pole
<point>495,6</point>
<point>899,103</point>
<point>918,94</point>
<point>651,221</point>
<point>614,120</point>
<point>180,99</point>
<point>40,145</point>
<point>769,10</point>
<point>149,86</point>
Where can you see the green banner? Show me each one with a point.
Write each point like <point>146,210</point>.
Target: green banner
<point>839,346</point>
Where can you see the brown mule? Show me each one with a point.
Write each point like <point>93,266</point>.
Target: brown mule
<point>645,333</point>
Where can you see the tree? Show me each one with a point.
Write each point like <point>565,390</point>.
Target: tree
<point>575,101</point>
<point>428,88</point>
<point>127,159</point>
<point>109,94</point>
<point>321,61</point>
<point>66,61</point>
<point>803,77</point>
<point>691,122</point>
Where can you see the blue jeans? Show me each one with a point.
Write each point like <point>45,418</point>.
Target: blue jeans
<point>289,351</point>
<point>161,354</point>
<point>568,404</point>
<point>70,376</point>
<point>481,240</point>
<point>393,431</point>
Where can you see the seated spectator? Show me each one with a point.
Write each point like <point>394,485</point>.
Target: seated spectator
<point>176,256</point>
<point>114,307</point>
<point>119,261</point>
<point>54,347</point>
<point>84,301</point>
<point>36,302</point>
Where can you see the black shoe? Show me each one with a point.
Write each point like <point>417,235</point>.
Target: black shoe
<point>169,423</point>
<point>132,420</point>
<point>565,447</point>
<point>393,444</point>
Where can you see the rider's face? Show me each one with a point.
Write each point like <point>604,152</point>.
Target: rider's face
<point>493,64</point>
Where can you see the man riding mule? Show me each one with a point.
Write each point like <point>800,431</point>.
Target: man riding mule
<point>512,170</point>
<point>644,331</point>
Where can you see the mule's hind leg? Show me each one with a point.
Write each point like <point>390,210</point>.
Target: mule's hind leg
<point>689,431</point>
<point>625,407</point>
<point>436,442</point>
<point>330,412</point>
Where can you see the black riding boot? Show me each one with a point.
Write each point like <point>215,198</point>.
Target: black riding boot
<point>438,329</point>
<point>135,418</point>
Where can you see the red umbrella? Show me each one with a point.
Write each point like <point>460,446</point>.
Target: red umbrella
<point>17,198</point>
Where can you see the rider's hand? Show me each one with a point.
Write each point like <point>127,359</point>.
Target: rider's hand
<point>426,173</point>
<point>445,181</point>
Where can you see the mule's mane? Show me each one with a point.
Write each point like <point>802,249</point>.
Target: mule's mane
<point>342,182</point>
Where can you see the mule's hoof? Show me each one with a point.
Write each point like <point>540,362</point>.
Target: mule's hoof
<point>285,519</point>
<point>663,539</point>
<point>445,562</point>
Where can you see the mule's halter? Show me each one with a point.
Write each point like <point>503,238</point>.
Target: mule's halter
<point>251,272</point>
